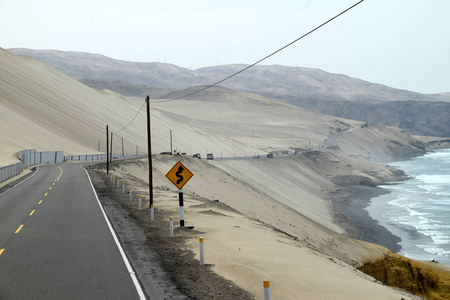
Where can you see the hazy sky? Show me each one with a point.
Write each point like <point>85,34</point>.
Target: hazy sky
<point>400,43</point>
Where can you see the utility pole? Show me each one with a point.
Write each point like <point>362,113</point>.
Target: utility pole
<point>123,152</point>
<point>136,149</point>
<point>98,146</point>
<point>150,166</point>
<point>107,150</point>
<point>111,148</point>
<point>171,151</point>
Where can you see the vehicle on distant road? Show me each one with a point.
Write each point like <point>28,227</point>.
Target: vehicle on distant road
<point>166,153</point>
<point>209,156</point>
<point>197,155</point>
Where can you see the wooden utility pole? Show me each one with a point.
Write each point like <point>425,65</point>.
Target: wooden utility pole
<point>107,150</point>
<point>150,166</point>
<point>123,152</point>
<point>111,148</point>
<point>171,150</point>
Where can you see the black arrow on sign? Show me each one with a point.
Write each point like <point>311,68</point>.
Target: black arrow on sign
<point>178,174</point>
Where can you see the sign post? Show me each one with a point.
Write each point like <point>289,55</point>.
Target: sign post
<point>179,175</point>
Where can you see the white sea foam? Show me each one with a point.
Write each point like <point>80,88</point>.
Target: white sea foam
<point>418,210</point>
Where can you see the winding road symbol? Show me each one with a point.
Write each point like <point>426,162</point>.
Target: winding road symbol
<point>179,175</point>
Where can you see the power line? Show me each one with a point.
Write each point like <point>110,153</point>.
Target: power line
<point>271,54</point>
<point>132,119</point>
<point>252,65</point>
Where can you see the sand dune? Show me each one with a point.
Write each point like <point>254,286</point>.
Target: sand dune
<point>302,258</point>
<point>44,109</point>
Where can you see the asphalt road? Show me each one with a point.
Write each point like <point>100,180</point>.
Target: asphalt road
<point>55,242</point>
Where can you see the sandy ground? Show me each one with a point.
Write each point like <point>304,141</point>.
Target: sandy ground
<point>300,258</point>
<point>282,225</point>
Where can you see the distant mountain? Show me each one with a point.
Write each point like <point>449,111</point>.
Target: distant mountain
<point>95,66</point>
<point>414,117</point>
<point>284,82</point>
<point>313,89</point>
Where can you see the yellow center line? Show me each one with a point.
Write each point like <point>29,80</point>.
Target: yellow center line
<point>32,212</point>
<point>18,229</point>
<point>53,183</point>
<point>1,251</point>
<point>40,202</point>
<point>50,188</point>
<point>60,173</point>
<point>45,194</point>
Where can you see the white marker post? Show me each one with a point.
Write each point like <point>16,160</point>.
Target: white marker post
<point>123,187</point>
<point>202,251</point>
<point>140,202</point>
<point>131,194</point>
<point>266,285</point>
<point>118,182</point>
<point>152,213</point>
<point>171,226</point>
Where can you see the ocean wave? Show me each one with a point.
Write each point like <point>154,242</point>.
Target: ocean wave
<point>436,179</point>
<point>418,209</point>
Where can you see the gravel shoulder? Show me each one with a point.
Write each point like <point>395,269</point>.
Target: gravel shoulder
<point>164,266</point>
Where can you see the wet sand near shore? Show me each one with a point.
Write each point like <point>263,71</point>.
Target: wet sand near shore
<point>353,208</point>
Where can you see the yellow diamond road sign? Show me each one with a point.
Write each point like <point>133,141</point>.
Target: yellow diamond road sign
<point>179,175</point>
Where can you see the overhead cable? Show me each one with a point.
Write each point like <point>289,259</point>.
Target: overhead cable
<point>271,54</point>
<point>254,64</point>
<point>132,119</point>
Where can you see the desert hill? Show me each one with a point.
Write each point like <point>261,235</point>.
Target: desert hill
<point>53,105</point>
<point>333,94</point>
<point>45,109</point>
<point>127,89</point>
<point>271,80</point>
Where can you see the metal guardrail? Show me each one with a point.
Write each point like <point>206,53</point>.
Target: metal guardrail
<point>32,157</point>
<point>7,172</point>
<point>91,157</point>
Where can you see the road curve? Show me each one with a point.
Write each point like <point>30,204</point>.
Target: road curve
<point>55,242</point>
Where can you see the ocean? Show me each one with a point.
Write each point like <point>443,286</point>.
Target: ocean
<point>418,210</point>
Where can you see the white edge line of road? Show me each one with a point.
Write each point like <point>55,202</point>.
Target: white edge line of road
<point>124,256</point>
<point>20,182</point>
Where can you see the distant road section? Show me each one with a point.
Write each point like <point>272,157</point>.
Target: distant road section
<point>55,242</point>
